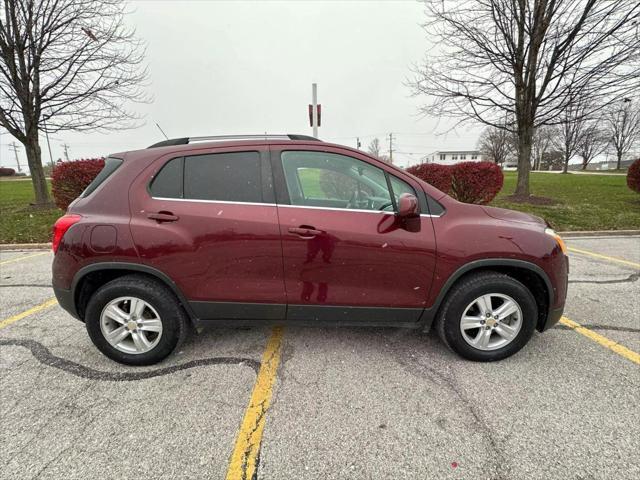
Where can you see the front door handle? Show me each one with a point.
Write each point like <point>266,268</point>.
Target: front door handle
<point>305,231</point>
<point>162,217</point>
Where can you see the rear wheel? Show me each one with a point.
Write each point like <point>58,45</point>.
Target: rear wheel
<point>135,320</point>
<point>487,316</point>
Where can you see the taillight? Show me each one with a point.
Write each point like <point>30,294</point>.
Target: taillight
<point>60,228</point>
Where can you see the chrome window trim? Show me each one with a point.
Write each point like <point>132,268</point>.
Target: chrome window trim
<point>226,202</point>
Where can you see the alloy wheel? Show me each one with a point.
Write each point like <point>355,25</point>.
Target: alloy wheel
<point>491,321</point>
<point>131,325</point>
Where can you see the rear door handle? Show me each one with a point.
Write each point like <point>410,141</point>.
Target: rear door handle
<point>163,217</point>
<point>305,232</point>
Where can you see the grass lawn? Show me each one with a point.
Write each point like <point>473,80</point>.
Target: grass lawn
<point>19,223</point>
<point>585,202</point>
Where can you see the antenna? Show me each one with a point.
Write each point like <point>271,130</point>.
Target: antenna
<point>160,128</point>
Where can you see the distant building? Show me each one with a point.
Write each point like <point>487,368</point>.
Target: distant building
<point>603,165</point>
<point>452,157</point>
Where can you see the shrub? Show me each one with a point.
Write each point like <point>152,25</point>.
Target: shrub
<point>476,182</point>
<point>434,174</point>
<point>633,176</point>
<point>69,179</point>
<point>7,172</point>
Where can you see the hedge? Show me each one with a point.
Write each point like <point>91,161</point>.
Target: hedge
<point>69,179</point>
<point>476,182</point>
<point>633,176</point>
<point>434,174</point>
<point>468,182</point>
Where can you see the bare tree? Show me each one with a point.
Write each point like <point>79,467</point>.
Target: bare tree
<point>375,150</point>
<point>69,65</point>
<point>570,132</point>
<point>527,59</point>
<point>495,144</point>
<point>623,128</point>
<point>594,142</point>
<point>541,145</point>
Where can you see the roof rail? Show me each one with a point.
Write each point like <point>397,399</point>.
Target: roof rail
<point>215,138</point>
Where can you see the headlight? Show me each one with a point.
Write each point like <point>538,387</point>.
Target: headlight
<point>558,238</point>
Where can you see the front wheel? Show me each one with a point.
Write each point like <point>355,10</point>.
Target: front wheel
<point>135,320</point>
<point>487,316</point>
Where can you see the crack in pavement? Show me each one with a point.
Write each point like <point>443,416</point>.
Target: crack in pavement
<point>45,357</point>
<point>414,366</point>
<point>600,327</point>
<point>631,278</point>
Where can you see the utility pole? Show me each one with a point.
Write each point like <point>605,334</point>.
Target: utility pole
<point>358,144</point>
<point>15,149</point>
<point>44,124</point>
<point>391,148</point>
<point>66,151</point>
<point>314,109</point>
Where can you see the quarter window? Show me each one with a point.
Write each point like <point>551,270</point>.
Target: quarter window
<point>168,181</point>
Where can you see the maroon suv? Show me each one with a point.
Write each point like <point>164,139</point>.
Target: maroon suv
<point>288,229</point>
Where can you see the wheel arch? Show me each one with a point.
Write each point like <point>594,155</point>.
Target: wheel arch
<point>529,274</point>
<point>91,277</point>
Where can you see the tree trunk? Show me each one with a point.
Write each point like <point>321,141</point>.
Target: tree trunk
<point>525,137</point>
<point>619,155</point>
<point>34,159</point>
<point>565,166</point>
<point>584,165</point>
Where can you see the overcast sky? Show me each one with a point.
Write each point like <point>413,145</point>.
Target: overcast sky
<point>220,67</point>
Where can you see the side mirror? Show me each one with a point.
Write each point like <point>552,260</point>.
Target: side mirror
<point>407,206</point>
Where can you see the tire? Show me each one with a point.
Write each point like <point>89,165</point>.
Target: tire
<point>465,299</point>
<point>160,311</point>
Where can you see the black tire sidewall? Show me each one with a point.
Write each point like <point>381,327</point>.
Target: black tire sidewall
<point>467,293</point>
<point>156,295</point>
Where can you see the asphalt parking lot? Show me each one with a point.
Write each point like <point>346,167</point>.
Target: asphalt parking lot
<point>344,403</point>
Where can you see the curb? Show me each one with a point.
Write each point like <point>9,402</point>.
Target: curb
<point>24,246</point>
<point>600,233</point>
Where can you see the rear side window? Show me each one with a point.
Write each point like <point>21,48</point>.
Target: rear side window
<point>110,165</point>
<point>230,177</point>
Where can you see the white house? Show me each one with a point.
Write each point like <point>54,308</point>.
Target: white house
<point>452,157</point>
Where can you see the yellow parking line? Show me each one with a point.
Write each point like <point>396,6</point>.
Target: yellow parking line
<point>23,258</point>
<point>604,341</point>
<point>245,453</point>
<point>8,321</point>
<point>604,257</point>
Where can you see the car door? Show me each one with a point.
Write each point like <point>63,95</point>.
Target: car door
<point>347,257</point>
<point>208,221</point>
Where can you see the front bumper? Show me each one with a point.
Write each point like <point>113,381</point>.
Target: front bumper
<point>552,318</point>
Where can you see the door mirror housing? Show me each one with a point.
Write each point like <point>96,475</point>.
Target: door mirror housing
<point>408,206</point>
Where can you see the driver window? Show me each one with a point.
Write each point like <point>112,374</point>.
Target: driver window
<point>319,179</point>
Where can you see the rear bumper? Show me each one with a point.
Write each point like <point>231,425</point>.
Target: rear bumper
<point>66,301</point>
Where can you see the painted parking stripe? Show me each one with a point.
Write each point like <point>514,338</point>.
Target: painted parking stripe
<point>604,341</point>
<point>4,262</point>
<point>8,321</point>
<point>244,459</point>
<point>604,257</point>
